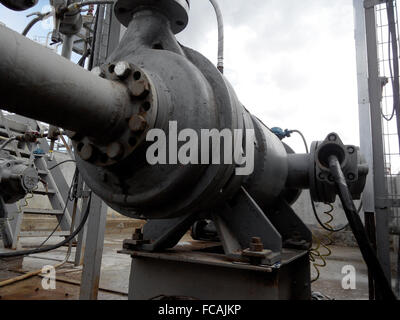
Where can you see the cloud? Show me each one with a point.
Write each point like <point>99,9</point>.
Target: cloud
<point>291,62</point>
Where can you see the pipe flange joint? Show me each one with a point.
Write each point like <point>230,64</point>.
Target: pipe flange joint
<point>354,167</point>
<point>140,117</point>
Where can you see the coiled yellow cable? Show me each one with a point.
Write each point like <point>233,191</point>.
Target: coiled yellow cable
<point>318,259</point>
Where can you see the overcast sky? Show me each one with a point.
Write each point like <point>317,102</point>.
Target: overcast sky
<point>291,62</point>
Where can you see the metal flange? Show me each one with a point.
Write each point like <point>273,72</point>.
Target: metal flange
<point>322,184</point>
<point>177,11</point>
<point>139,119</point>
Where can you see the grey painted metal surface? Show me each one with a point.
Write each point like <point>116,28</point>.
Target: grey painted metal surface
<point>151,81</point>
<point>74,90</point>
<point>220,23</point>
<point>371,102</point>
<point>100,40</point>
<point>172,93</point>
<point>83,193</point>
<point>177,11</point>
<point>187,274</point>
<point>68,44</point>
<point>364,102</point>
<point>93,249</point>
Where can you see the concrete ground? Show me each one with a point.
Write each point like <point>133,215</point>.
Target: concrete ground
<point>116,267</point>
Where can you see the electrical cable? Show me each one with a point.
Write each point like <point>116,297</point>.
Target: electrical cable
<point>40,17</point>
<point>220,22</point>
<point>60,163</point>
<point>30,25</point>
<point>64,209</point>
<point>82,60</point>
<point>393,48</point>
<point>323,225</point>
<point>57,266</point>
<point>52,247</point>
<point>315,252</point>
<point>359,232</point>
<point>302,137</point>
<point>92,46</point>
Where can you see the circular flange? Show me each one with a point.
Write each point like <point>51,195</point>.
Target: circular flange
<point>177,11</point>
<point>140,117</point>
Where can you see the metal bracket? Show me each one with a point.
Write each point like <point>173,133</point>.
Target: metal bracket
<point>238,222</point>
<point>161,234</point>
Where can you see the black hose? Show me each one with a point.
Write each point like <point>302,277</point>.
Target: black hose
<point>82,60</point>
<point>323,225</point>
<point>65,208</point>
<point>302,137</point>
<point>52,247</point>
<point>359,232</point>
<point>30,25</point>
<point>60,163</point>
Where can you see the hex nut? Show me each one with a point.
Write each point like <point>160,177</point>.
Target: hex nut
<point>98,72</point>
<point>87,152</point>
<point>137,123</point>
<point>256,245</point>
<point>332,137</point>
<point>122,69</point>
<point>115,151</point>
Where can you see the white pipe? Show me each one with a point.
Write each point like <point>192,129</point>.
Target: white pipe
<point>220,22</point>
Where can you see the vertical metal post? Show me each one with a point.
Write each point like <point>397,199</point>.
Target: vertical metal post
<point>66,52</point>
<point>371,231</point>
<point>97,41</point>
<point>398,268</point>
<point>94,249</point>
<point>363,102</point>
<point>370,95</point>
<point>68,43</point>
<point>115,33</point>
<point>83,193</point>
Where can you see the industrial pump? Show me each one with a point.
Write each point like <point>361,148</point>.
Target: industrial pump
<point>151,84</point>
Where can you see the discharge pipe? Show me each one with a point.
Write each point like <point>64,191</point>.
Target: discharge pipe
<point>39,84</point>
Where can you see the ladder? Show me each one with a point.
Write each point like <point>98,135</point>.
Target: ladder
<point>55,188</point>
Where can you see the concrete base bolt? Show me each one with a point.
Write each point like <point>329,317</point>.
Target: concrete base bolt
<point>256,244</point>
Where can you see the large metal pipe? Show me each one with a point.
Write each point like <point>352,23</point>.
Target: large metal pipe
<point>40,84</point>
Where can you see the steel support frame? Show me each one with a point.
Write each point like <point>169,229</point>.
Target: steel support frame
<point>371,141</point>
<point>200,275</point>
<point>91,239</point>
<point>93,249</point>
